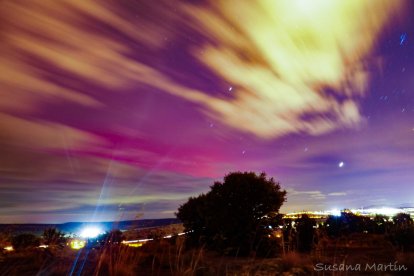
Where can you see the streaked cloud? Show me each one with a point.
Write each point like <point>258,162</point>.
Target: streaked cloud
<point>318,195</point>
<point>95,192</point>
<point>281,57</point>
<point>314,195</point>
<point>337,194</point>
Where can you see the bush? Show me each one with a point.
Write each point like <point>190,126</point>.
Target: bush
<point>305,233</point>
<point>52,236</point>
<point>25,241</point>
<point>233,217</point>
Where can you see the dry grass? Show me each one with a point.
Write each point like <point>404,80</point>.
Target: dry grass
<point>170,257</point>
<point>155,258</point>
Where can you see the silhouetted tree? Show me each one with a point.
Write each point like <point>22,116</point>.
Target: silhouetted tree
<point>381,224</point>
<point>305,233</point>
<point>193,215</point>
<point>402,219</point>
<point>52,236</point>
<point>403,237</point>
<point>402,232</point>
<point>233,216</point>
<point>25,241</point>
<point>112,237</point>
<point>344,224</point>
<point>289,235</point>
<point>334,226</point>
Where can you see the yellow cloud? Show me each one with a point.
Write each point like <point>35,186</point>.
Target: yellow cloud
<point>280,57</point>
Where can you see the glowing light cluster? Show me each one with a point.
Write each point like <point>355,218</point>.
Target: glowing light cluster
<point>380,211</point>
<point>135,244</point>
<point>335,212</point>
<point>386,211</point>
<point>91,232</point>
<point>77,244</point>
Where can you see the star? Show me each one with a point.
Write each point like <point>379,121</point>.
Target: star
<point>403,37</point>
<point>230,88</point>
<point>341,164</point>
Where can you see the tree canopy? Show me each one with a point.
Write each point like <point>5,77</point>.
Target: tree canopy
<point>234,216</point>
<point>52,236</point>
<point>305,233</point>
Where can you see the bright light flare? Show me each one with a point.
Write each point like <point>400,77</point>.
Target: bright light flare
<point>91,232</point>
<point>9,248</point>
<point>335,212</point>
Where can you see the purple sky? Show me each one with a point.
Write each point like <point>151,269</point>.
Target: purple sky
<point>113,111</point>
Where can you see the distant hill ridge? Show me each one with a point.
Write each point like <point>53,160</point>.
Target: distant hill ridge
<point>75,227</point>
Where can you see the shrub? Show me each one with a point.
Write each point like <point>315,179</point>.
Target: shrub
<point>233,216</point>
<point>25,241</point>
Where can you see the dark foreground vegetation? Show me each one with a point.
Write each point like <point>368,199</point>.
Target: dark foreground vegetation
<point>234,229</point>
<point>174,257</point>
<point>236,217</point>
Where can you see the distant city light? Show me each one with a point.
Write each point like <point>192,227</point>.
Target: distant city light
<point>278,233</point>
<point>91,232</point>
<point>386,211</point>
<point>335,212</point>
<point>380,211</point>
<point>135,244</point>
<point>137,241</point>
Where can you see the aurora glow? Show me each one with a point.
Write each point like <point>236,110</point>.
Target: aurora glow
<point>124,109</point>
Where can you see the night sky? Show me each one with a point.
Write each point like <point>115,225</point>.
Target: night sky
<point>124,109</point>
